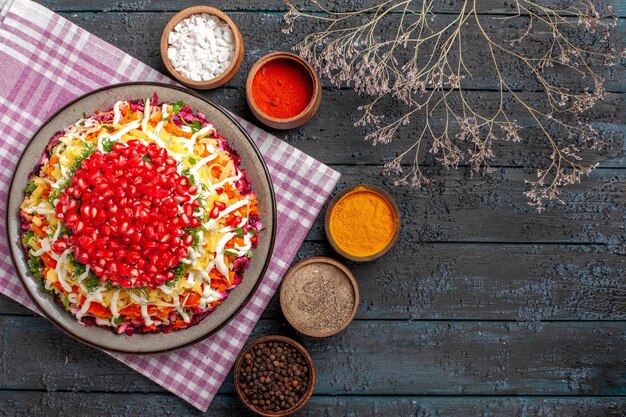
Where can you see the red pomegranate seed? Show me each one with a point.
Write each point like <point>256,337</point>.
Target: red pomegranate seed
<point>127,215</point>
<point>59,246</point>
<point>173,260</point>
<point>182,198</point>
<point>80,226</point>
<point>233,220</point>
<point>182,252</point>
<point>188,209</point>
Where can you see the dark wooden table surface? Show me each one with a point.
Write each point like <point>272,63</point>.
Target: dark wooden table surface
<point>484,307</point>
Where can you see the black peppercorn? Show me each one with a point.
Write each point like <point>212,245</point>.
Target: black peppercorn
<point>275,377</point>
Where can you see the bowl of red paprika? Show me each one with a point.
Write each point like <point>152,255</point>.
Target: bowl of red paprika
<point>283,90</point>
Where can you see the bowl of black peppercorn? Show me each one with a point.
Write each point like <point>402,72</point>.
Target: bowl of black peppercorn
<point>274,376</point>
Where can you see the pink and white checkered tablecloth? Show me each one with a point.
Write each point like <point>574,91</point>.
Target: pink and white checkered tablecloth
<point>47,61</point>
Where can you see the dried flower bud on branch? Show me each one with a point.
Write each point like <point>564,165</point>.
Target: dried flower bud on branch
<point>427,67</point>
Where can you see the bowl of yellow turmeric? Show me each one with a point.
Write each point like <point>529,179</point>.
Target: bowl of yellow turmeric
<point>362,223</point>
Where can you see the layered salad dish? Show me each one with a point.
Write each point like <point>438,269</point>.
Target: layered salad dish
<point>139,219</point>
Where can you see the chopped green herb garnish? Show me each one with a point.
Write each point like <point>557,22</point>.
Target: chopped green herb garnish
<point>249,253</point>
<point>65,301</point>
<point>87,152</point>
<point>144,292</point>
<point>240,232</point>
<point>79,268</point>
<point>53,196</point>
<point>179,271</point>
<point>35,265</point>
<point>65,182</point>
<point>30,188</point>
<point>252,232</point>
<point>91,282</point>
<point>107,144</point>
<point>231,253</point>
<point>172,283</point>
<point>176,107</point>
<point>195,125</point>
<point>118,320</point>
<point>192,160</point>
<point>146,158</point>
<point>84,115</point>
<point>187,173</point>
<point>195,232</point>
<point>27,237</point>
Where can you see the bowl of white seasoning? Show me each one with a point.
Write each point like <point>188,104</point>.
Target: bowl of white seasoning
<point>202,47</point>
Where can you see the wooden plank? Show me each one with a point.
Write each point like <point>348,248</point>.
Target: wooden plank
<point>459,207</point>
<point>340,142</point>
<point>8,306</point>
<point>527,283</point>
<point>43,404</point>
<point>485,281</point>
<point>138,34</point>
<point>369,358</point>
<point>442,6</point>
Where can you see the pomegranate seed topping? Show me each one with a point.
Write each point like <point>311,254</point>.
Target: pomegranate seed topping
<point>188,240</point>
<point>80,226</point>
<point>58,247</point>
<point>128,215</point>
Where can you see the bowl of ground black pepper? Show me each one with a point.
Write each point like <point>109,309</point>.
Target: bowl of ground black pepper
<point>274,376</point>
<point>319,297</point>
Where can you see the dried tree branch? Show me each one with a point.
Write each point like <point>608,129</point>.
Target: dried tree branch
<point>425,66</point>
